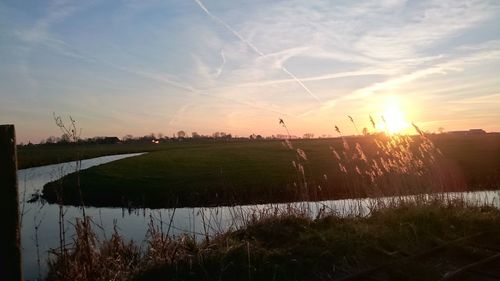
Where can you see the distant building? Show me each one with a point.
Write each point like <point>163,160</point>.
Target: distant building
<point>463,133</point>
<point>476,132</point>
<point>470,132</point>
<point>105,140</point>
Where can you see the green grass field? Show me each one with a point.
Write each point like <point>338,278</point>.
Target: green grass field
<point>225,173</point>
<point>33,156</point>
<point>194,174</point>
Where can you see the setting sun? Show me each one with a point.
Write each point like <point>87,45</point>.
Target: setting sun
<point>393,117</point>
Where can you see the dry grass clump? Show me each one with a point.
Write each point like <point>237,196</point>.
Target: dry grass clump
<point>291,246</point>
<point>88,258</point>
<point>375,165</point>
<point>91,258</point>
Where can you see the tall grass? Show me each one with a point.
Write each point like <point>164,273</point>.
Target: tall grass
<point>378,165</point>
<point>282,244</point>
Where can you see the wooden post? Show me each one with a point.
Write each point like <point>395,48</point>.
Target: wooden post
<point>10,250</point>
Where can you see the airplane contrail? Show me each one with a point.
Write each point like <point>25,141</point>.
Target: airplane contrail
<point>219,70</point>
<point>300,83</point>
<point>228,27</point>
<point>253,47</point>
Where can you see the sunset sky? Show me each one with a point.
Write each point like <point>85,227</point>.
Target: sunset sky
<point>136,67</point>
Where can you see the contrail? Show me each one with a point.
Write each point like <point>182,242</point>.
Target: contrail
<point>228,27</point>
<point>253,47</point>
<point>300,83</point>
<point>219,70</point>
<point>162,79</point>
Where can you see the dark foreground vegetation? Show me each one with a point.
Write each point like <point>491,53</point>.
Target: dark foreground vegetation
<point>428,240</point>
<point>250,172</point>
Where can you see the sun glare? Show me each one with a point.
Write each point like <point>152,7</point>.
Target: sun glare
<point>394,121</point>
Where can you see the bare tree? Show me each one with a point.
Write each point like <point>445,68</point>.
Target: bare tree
<point>70,133</point>
<point>365,132</point>
<point>181,134</point>
<point>128,138</point>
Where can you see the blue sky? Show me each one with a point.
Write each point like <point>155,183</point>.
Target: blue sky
<point>136,67</point>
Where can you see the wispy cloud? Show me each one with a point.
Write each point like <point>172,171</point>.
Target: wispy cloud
<point>442,68</point>
<point>254,48</point>
<point>58,11</point>
<point>41,33</point>
<point>431,24</point>
<point>489,99</point>
<point>221,67</point>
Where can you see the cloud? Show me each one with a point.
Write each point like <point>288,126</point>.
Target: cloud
<point>443,68</point>
<point>433,23</point>
<point>40,31</point>
<point>221,67</point>
<point>393,40</point>
<point>486,99</point>
<point>254,48</point>
<point>40,34</point>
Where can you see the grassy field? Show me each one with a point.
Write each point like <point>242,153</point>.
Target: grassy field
<point>217,173</point>
<point>423,241</point>
<point>40,155</point>
<point>191,174</point>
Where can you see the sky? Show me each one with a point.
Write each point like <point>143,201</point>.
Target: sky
<point>140,67</point>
